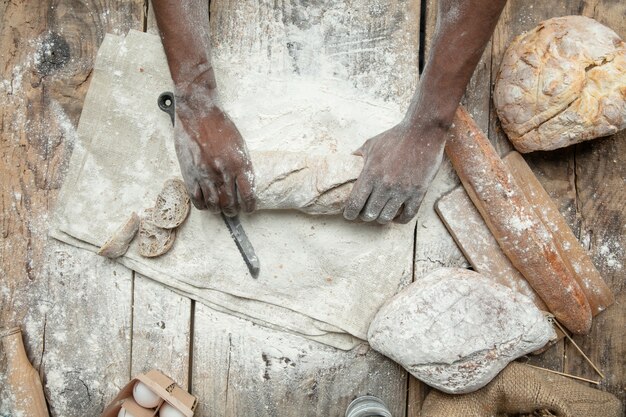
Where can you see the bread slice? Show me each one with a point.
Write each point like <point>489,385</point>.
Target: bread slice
<point>172,205</point>
<point>118,243</point>
<point>154,240</point>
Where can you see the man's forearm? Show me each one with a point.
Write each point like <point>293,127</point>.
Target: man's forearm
<point>463,29</point>
<point>184,28</point>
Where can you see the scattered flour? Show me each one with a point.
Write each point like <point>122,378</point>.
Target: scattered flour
<point>611,254</point>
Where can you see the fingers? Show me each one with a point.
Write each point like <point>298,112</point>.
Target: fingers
<point>196,196</point>
<point>374,206</point>
<point>228,197</point>
<point>246,193</point>
<point>211,196</point>
<point>358,197</point>
<point>362,151</point>
<point>390,210</point>
<point>410,209</point>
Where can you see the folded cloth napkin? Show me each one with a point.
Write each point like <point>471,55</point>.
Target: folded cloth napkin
<point>321,277</point>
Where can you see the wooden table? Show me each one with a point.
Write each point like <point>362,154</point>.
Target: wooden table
<point>90,323</point>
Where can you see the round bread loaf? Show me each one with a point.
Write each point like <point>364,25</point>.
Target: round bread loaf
<point>562,83</point>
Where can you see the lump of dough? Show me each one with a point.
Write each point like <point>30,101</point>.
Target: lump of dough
<point>562,83</point>
<point>118,243</point>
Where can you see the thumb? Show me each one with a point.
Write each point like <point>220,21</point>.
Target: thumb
<point>362,151</point>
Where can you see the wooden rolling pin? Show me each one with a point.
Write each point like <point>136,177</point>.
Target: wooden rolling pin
<point>22,379</point>
<point>576,258</point>
<point>520,233</point>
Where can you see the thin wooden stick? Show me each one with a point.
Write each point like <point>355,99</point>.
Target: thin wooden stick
<point>579,349</point>
<point>566,375</point>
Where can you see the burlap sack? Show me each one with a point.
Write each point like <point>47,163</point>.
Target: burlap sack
<point>520,389</point>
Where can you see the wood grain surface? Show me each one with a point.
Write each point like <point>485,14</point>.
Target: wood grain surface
<point>69,301</point>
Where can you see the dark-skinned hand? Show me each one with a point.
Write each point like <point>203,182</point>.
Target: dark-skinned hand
<point>400,164</point>
<point>212,155</point>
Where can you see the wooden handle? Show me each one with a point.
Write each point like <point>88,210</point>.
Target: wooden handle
<point>510,217</point>
<point>22,380</point>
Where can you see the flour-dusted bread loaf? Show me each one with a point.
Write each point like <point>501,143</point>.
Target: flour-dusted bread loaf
<point>562,83</point>
<point>520,233</point>
<point>172,205</point>
<point>455,329</point>
<point>154,240</point>
<point>118,243</point>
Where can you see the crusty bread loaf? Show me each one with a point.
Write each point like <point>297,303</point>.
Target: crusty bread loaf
<point>154,240</point>
<point>172,205</point>
<point>561,83</point>
<point>510,217</point>
<point>118,243</point>
<point>581,267</point>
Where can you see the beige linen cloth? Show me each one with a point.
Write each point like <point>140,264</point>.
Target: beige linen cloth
<point>321,277</point>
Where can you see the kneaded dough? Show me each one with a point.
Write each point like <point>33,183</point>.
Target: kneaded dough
<point>313,184</point>
<point>562,83</point>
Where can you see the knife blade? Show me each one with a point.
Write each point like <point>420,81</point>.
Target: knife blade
<point>243,244</point>
<point>166,103</point>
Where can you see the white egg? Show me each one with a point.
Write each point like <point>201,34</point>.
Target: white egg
<point>144,395</point>
<point>167,410</point>
<point>124,413</point>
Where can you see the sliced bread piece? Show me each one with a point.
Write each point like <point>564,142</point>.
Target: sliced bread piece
<point>118,243</point>
<point>154,240</point>
<point>172,205</point>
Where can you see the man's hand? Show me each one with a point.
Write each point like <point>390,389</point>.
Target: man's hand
<point>399,166</point>
<point>401,162</point>
<point>212,155</point>
<point>211,152</point>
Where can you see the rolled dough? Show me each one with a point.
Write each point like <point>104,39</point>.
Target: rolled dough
<point>313,184</point>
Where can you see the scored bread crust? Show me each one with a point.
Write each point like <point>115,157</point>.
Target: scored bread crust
<point>172,205</point>
<point>561,83</point>
<point>154,240</point>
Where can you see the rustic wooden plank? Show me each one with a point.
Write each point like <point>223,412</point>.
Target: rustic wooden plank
<point>161,318</point>
<point>601,191</point>
<point>243,369</point>
<point>48,50</point>
<point>161,330</point>
<point>24,193</point>
<point>600,179</point>
<point>87,331</point>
